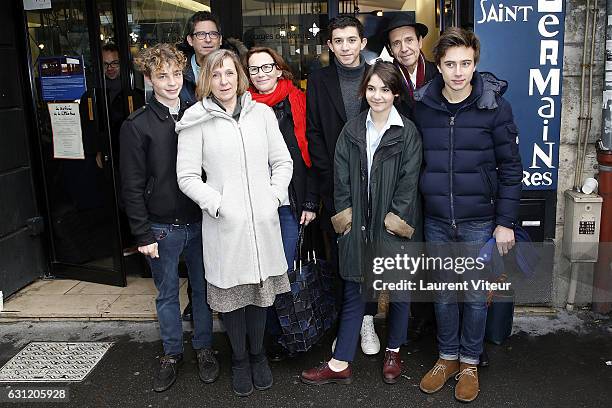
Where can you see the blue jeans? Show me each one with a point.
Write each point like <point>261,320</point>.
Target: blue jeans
<point>459,338</point>
<point>174,240</point>
<point>351,317</point>
<point>289,233</point>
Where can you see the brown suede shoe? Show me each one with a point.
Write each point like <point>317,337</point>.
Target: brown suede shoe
<point>392,367</point>
<point>467,388</point>
<point>435,378</point>
<point>325,375</point>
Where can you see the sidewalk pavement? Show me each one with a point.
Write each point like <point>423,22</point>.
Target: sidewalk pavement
<point>549,361</point>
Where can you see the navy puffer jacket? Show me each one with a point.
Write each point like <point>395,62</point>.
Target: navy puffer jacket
<point>471,166</point>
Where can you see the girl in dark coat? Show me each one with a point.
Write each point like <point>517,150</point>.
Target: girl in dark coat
<point>376,171</point>
<point>271,84</point>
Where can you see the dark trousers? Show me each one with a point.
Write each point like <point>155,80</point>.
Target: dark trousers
<point>353,308</point>
<point>371,308</point>
<point>289,233</point>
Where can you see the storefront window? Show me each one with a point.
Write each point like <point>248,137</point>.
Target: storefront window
<point>158,21</point>
<point>296,30</point>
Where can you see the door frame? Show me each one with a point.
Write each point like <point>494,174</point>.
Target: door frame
<point>89,273</point>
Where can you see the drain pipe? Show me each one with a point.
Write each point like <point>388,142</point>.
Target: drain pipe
<point>581,118</point>
<point>602,278</point>
<point>585,119</point>
<point>589,116</point>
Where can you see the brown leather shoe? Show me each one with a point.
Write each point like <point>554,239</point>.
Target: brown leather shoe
<point>435,378</point>
<point>324,375</point>
<point>467,388</point>
<point>392,367</point>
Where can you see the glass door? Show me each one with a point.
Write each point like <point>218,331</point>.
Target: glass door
<point>79,108</point>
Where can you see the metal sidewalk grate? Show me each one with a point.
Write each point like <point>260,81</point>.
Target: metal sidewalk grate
<point>54,362</point>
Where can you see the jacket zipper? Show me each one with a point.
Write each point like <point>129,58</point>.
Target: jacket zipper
<point>452,147</point>
<point>450,173</point>
<point>246,167</point>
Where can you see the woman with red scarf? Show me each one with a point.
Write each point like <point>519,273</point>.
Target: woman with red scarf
<point>271,84</point>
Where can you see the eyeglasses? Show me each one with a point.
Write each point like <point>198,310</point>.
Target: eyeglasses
<point>201,35</point>
<point>266,68</point>
<point>112,64</point>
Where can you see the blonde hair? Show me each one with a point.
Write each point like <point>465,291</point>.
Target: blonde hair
<point>213,61</point>
<point>152,59</point>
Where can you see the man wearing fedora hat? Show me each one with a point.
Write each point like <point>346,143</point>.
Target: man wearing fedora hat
<point>404,40</point>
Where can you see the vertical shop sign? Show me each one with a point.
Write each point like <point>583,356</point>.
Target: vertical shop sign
<point>522,43</point>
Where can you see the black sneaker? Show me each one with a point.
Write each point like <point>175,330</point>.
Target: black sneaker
<point>208,366</point>
<point>484,358</point>
<point>168,370</point>
<point>188,313</point>
<point>277,353</point>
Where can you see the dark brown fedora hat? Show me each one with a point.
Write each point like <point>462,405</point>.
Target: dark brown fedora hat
<point>404,20</point>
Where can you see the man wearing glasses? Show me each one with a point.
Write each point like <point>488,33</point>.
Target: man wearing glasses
<point>118,110</point>
<point>203,36</point>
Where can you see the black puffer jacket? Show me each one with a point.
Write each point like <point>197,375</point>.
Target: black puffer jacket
<point>148,172</point>
<point>471,166</point>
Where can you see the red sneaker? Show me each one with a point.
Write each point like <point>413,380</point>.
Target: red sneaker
<point>325,375</point>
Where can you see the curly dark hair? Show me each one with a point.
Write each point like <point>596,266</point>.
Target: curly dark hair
<point>343,22</point>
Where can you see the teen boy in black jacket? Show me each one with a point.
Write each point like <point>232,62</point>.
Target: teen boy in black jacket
<point>165,222</point>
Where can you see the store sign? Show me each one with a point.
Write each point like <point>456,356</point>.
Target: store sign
<point>36,4</point>
<point>522,43</point>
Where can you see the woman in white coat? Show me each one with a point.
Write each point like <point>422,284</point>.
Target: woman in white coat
<point>238,144</point>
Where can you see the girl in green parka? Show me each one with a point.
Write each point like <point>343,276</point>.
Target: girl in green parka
<point>376,171</point>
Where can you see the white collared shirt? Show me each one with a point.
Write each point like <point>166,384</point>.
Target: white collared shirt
<point>413,76</point>
<point>373,136</point>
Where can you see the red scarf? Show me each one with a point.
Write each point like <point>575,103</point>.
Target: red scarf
<point>297,100</point>
<point>420,75</point>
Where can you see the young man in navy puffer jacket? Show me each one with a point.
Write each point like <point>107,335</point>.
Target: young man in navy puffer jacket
<point>471,184</point>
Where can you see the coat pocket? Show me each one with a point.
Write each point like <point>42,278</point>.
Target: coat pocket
<point>490,190</point>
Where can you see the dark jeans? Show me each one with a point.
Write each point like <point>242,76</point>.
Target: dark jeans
<point>351,317</point>
<point>174,240</point>
<point>464,240</point>
<point>289,232</point>
<point>371,308</point>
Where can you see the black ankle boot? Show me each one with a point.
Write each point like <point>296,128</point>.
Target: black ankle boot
<point>242,382</point>
<point>262,375</point>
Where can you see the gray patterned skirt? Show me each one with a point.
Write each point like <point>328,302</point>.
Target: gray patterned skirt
<point>230,299</point>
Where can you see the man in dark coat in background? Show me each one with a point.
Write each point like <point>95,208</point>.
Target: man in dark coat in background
<point>203,36</point>
<point>332,99</point>
<point>404,41</point>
